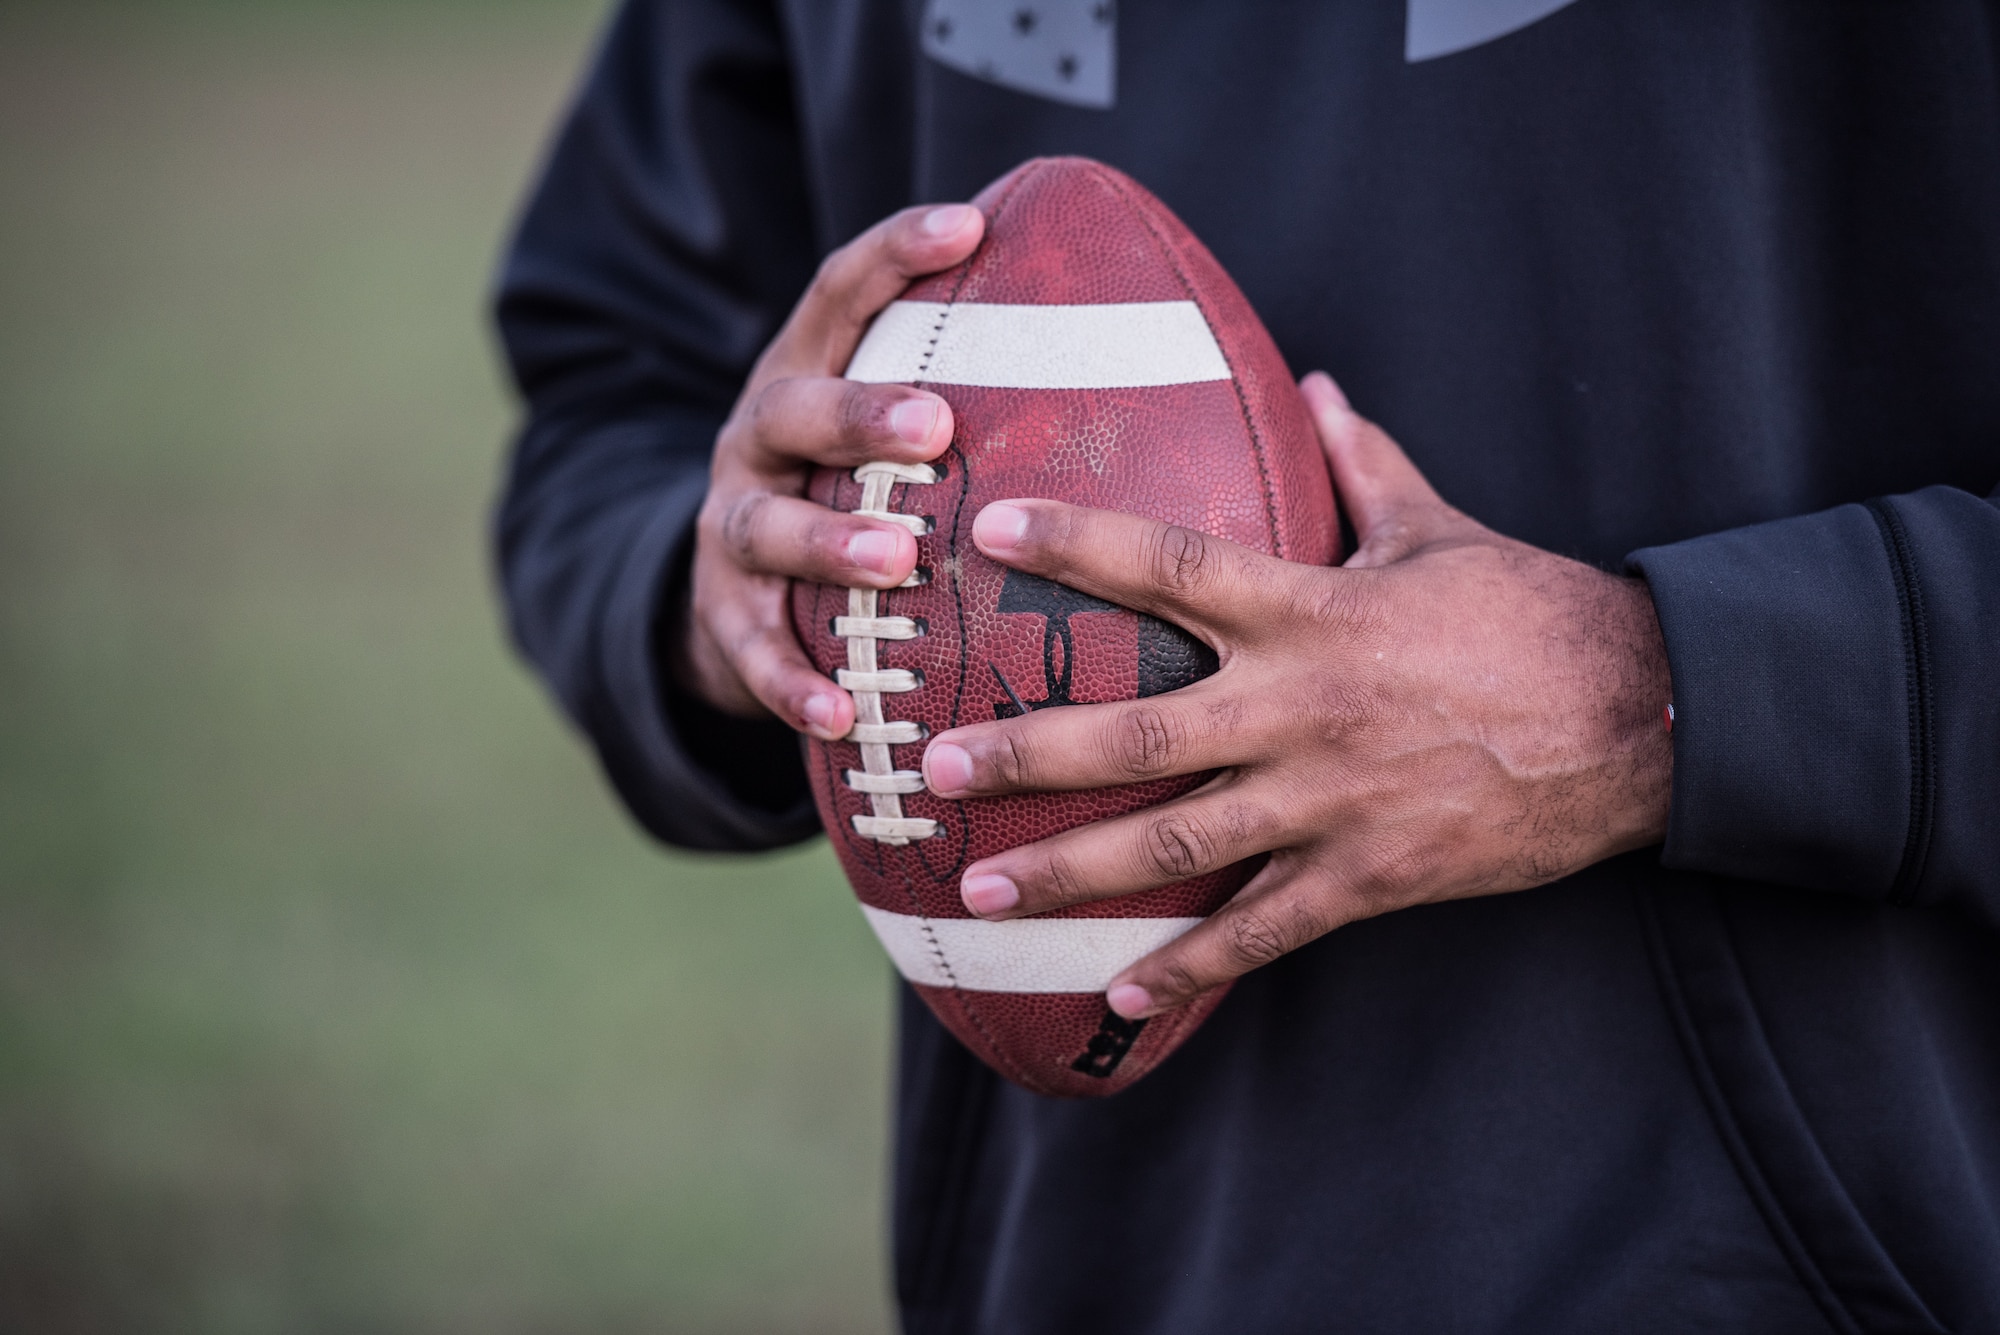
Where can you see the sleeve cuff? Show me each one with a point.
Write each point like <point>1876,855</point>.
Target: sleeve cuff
<point>1792,738</point>
<point>696,777</point>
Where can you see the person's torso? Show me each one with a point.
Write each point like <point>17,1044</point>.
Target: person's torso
<point>1637,271</point>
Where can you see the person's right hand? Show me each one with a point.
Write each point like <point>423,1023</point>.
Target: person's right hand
<point>757,532</point>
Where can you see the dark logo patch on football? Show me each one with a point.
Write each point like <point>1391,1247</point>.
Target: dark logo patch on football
<point>1055,604</point>
<point>1108,1046</point>
<point>1169,657</point>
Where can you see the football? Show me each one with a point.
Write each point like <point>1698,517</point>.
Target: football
<point>1093,352</point>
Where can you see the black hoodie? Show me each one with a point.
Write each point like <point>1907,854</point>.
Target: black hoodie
<point>1711,287</point>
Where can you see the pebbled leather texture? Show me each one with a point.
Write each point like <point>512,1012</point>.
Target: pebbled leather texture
<point>1233,457</point>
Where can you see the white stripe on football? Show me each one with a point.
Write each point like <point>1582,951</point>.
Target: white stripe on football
<point>1037,955</point>
<point>1124,345</point>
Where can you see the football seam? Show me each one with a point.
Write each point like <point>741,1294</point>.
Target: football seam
<point>868,681</point>
<point>961,996</point>
<point>930,349</point>
<point>937,949</point>
<point>1258,453</point>
<point>980,251</point>
<point>1235,376</point>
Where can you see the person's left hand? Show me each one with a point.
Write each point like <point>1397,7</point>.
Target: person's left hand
<point>1451,713</point>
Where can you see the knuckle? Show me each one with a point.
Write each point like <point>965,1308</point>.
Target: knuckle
<point>740,524</point>
<point>1330,601</point>
<point>1177,846</point>
<point>1062,883</point>
<point>707,622</point>
<point>857,308</point>
<point>775,654</point>
<point>842,282</point>
<point>862,264</point>
<point>743,650</point>
<point>836,271</point>
<point>708,520</point>
<point>858,416</point>
<point>1392,870</point>
<point>766,408</point>
<point>902,240</point>
<point>1053,532</point>
<point>1147,742</point>
<point>1174,980</point>
<point>825,535</point>
<point>1253,940</point>
<point>1419,864</point>
<point>1224,714</point>
<point>1183,560</point>
<point>1396,538</point>
<point>1010,761</point>
<point>1245,825</point>
<point>1324,604</point>
<point>1336,708</point>
<point>738,431</point>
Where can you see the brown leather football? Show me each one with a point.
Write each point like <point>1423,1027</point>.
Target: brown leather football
<point>1093,352</point>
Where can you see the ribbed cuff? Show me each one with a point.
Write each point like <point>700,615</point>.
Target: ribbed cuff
<point>1792,741</point>
<point>703,779</point>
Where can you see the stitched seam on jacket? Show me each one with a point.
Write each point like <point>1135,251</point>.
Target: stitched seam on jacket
<point>1917,675</point>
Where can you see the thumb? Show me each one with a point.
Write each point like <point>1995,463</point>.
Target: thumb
<point>1393,509</point>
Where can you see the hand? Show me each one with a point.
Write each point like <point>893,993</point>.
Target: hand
<point>757,532</point>
<point>1451,713</point>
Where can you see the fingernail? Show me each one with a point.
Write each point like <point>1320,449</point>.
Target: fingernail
<point>821,710</point>
<point>1129,1000</point>
<point>948,218</point>
<point>872,549</point>
<point>948,769</point>
<point>988,894</point>
<point>914,419</point>
<point>1000,527</point>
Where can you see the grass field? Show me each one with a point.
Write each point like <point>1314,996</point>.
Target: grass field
<point>335,993</point>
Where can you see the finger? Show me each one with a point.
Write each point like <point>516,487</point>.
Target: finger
<point>767,658</point>
<point>842,423</point>
<point>697,661</point>
<point>1280,910</point>
<point>855,282</point>
<point>1091,746</point>
<point>1391,505</point>
<point>1193,579</point>
<point>767,534</point>
<point>1217,826</point>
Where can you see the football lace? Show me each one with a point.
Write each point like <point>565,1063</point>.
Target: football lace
<point>863,628</point>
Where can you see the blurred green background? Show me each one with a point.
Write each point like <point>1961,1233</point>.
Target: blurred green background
<point>335,992</point>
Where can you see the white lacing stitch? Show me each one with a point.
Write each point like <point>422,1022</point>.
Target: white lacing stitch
<point>861,628</point>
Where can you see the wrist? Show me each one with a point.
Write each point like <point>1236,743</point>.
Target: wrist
<point>1641,766</point>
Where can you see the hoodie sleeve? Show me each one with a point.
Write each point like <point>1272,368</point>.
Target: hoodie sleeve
<point>1837,700</point>
<point>668,237</point>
